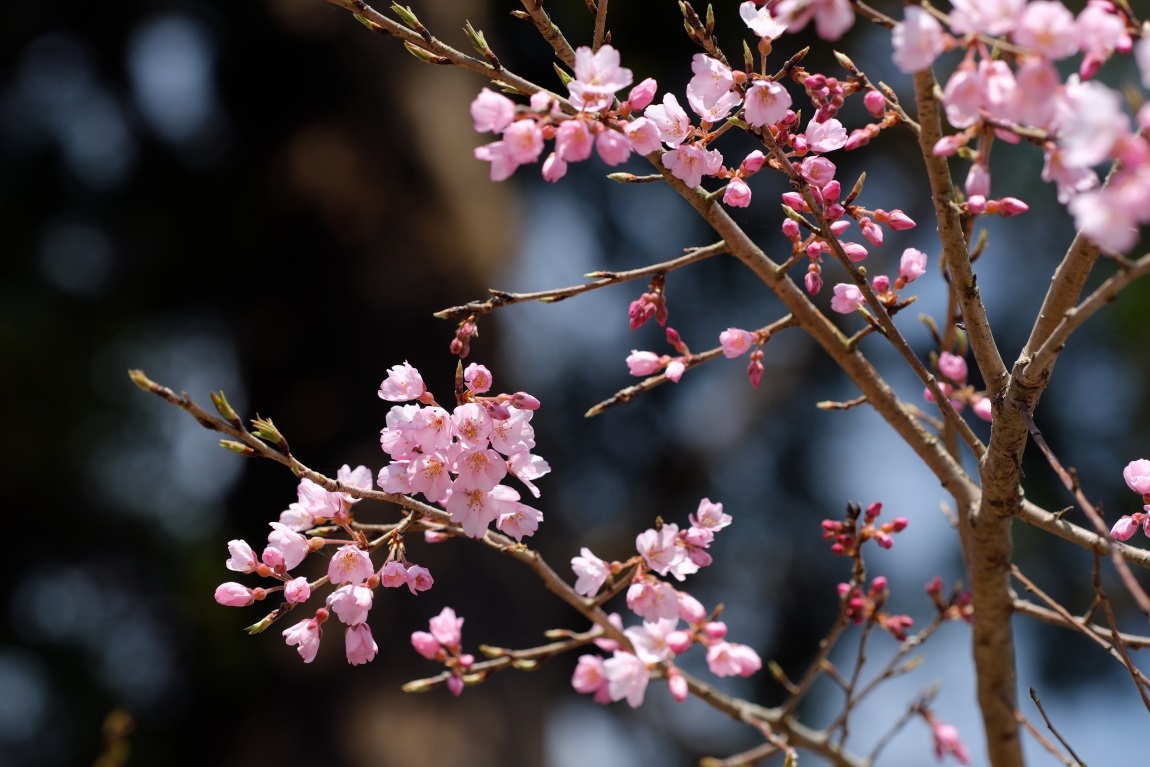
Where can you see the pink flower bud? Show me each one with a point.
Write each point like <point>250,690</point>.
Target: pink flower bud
<point>899,221</point>
<point>948,145</point>
<point>878,585</point>
<point>791,228</point>
<point>643,363</point>
<point>678,642</point>
<point>953,367</point>
<point>524,401</point>
<point>675,370</point>
<point>854,251</point>
<point>814,249</point>
<point>843,589</point>
<point>455,684</point>
<point>753,162</point>
<point>297,590</point>
<point>642,94</point>
<point>1011,206</point>
<point>872,232</point>
<point>912,265</point>
<point>419,579</point>
<point>934,586</point>
<point>738,194</point>
<point>715,629</point>
<point>976,204</point>
<point>875,103</point>
<point>755,368</point>
<point>678,687</point>
<point>795,201</point>
<point>982,408</point>
<point>832,190</point>
<point>978,181</point>
<point>554,169</point>
<point>813,282</point>
<point>881,283</point>
<point>690,609</point>
<point>233,595</point>
<point>884,540</point>
<point>872,511</point>
<point>835,211</point>
<point>840,226</point>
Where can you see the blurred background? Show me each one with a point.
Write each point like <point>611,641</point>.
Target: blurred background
<point>264,198</point>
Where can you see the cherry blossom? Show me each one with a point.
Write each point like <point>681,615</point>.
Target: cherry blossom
<point>234,595</point>
<point>305,636</point>
<point>918,40</point>
<point>760,21</point>
<point>598,77</point>
<point>349,565</point>
<point>766,103</point>
<point>592,572</point>
<point>590,677</point>
<point>847,298</point>
<point>491,112</point>
<point>832,17</point>
<point>626,678</point>
<point>359,645</point>
<point>403,382</point>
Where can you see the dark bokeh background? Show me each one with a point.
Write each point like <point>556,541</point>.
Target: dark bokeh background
<point>267,199</point>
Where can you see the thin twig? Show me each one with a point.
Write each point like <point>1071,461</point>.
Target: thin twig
<point>602,279</point>
<point>1053,729</point>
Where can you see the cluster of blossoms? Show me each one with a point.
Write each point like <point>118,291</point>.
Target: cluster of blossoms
<point>957,607</point>
<point>848,535</point>
<point>350,569</point>
<point>1080,123</point>
<point>459,458</point>
<point>444,644</point>
<point>954,371</point>
<point>1137,476</point>
<point>646,363</point>
<point>849,298</point>
<point>863,606</point>
<point>663,550</point>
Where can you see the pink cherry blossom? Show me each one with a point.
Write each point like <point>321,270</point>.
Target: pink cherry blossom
<point>1101,31</point>
<point>447,629</point>
<point>242,559</point>
<point>626,678</point>
<point>1142,58</point>
<point>425,644</point>
<point>652,599</point>
<point>234,595</point>
<point>671,120</point>
<point>1137,476</point>
<point>642,94</point>
<point>766,103</point>
<point>912,265</point>
<point>472,425</point>
<point>710,516</point>
<point>523,141</point>
<point>613,147</point>
<point>658,547</point>
<point>832,17</point>
<point>643,363</point>
<point>713,79</point>
<point>1090,121</point>
<point>350,603</point>
<point>825,136</point>
<point>946,741</point>
<point>418,579</point>
<point>643,134</point>
<point>360,646</point>
<point>690,163</point>
<point>349,565</point>
<point>554,168</point>
<point>297,590</point>
<point>492,112</point>
<point>291,544</point>
<point>918,40</point>
<point>477,378</point>
<point>305,635</point>
<point>1045,27</point>
<point>760,21</point>
<point>472,508</point>
<point>735,342</point>
<point>982,408</point>
<point>598,77</point>
<point>403,383</point>
<point>515,519</point>
<point>393,574</point>
<point>650,639</point>
<point>590,677</point>
<point>752,162</point>
<point>953,367</point>
<point>1123,529</point>
<point>990,17</point>
<point>847,298</point>
<point>737,193</point>
<point>502,165</point>
<point>962,97</point>
<point>731,659</point>
<point>573,141</point>
<point>592,572</point>
<point>819,171</point>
